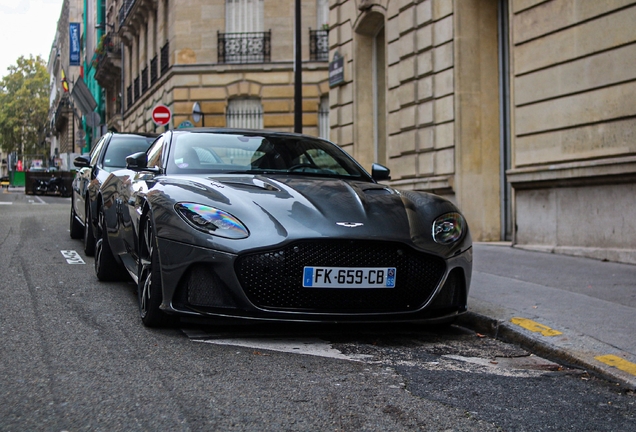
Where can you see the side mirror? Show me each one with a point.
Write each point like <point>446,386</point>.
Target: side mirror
<point>380,172</point>
<point>139,162</point>
<point>82,162</point>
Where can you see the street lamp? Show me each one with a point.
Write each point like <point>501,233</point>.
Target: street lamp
<point>103,26</point>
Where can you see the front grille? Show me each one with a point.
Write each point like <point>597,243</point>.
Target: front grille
<point>273,279</point>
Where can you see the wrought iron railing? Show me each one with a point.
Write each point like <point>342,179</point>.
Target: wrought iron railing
<point>165,61</point>
<point>245,118</point>
<point>318,45</point>
<point>124,10</point>
<point>153,71</point>
<point>250,47</point>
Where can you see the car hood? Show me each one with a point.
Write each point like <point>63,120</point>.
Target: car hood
<point>284,208</point>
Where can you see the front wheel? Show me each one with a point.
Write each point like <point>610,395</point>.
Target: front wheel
<point>149,291</point>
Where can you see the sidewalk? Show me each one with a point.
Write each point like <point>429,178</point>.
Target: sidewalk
<point>578,311</point>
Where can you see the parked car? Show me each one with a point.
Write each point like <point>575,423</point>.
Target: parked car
<point>109,154</point>
<point>277,226</point>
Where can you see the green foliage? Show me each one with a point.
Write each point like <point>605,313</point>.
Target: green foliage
<point>24,105</point>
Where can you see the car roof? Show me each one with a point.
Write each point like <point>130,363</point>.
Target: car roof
<point>267,132</point>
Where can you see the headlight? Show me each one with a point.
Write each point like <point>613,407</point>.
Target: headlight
<point>448,228</point>
<point>211,220</point>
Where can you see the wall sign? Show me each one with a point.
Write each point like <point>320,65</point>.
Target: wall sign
<point>336,70</point>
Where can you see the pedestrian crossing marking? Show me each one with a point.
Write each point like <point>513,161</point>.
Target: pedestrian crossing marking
<point>618,363</point>
<point>535,327</point>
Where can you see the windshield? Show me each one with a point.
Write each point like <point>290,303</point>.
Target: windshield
<point>122,146</point>
<point>253,154</point>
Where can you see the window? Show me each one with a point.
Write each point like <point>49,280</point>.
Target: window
<point>323,118</point>
<point>155,152</point>
<point>243,16</point>
<point>244,113</point>
<point>322,14</point>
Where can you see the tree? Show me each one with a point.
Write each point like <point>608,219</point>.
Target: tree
<point>24,105</point>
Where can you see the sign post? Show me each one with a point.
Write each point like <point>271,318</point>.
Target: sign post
<point>161,115</point>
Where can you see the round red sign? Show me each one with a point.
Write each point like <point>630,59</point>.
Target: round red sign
<point>161,115</point>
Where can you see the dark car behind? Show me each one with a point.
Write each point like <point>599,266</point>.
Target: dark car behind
<point>109,154</point>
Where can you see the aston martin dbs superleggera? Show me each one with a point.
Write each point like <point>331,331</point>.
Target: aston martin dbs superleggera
<point>277,226</point>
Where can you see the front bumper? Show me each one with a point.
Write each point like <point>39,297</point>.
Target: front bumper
<point>266,284</point>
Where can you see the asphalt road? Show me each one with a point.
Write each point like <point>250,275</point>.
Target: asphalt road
<point>74,356</point>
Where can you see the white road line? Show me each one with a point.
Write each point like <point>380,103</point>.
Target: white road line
<point>306,346</point>
<point>72,257</point>
<point>5,203</point>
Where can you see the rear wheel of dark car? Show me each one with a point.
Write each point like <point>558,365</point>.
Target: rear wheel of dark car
<point>149,281</point>
<point>106,266</point>
<point>89,236</point>
<point>76,228</point>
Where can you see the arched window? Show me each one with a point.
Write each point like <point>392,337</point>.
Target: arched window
<point>244,113</point>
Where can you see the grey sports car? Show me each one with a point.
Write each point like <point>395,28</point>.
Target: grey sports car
<point>277,226</point>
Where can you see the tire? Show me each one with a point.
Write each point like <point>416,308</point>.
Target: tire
<point>89,236</point>
<point>76,228</point>
<point>149,293</point>
<point>106,266</point>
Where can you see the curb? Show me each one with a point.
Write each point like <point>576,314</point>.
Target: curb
<point>502,330</point>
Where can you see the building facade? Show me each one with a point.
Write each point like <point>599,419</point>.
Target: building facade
<point>234,58</point>
<point>66,136</point>
<point>520,111</point>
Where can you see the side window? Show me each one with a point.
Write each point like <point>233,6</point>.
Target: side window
<point>97,150</point>
<point>155,152</point>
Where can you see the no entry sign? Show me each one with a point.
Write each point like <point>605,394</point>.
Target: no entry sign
<point>161,115</point>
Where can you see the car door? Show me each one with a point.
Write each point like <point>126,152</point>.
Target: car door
<point>132,195</point>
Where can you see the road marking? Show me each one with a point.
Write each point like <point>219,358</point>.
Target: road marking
<point>72,257</point>
<point>307,346</point>
<point>5,203</point>
<point>618,363</point>
<point>534,326</point>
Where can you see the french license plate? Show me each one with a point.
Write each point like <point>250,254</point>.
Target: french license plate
<point>349,277</point>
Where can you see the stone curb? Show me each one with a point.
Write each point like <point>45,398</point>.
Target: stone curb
<point>502,330</point>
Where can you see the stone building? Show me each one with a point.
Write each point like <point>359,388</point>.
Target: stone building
<point>65,133</point>
<point>234,58</point>
<point>523,112</point>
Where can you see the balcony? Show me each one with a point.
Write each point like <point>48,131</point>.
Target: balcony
<point>319,45</point>
<point>107,61</point>
<point>63,111</point>
<point>251,47</point>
